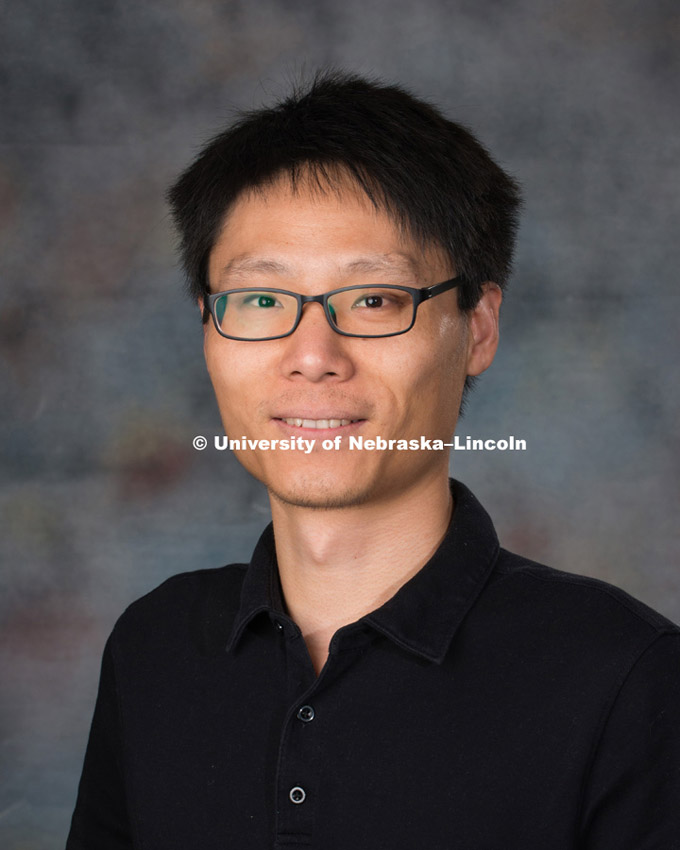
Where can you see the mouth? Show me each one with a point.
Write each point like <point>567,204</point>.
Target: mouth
<point>299,422</point>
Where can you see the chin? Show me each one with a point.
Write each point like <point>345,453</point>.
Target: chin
<point>319,492</point>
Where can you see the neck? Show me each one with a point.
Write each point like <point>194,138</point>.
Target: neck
<point>337,565</point>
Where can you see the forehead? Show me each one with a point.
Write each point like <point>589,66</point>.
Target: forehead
<point>276,227</point>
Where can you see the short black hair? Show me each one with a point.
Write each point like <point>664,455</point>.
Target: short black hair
<point>430,174</point>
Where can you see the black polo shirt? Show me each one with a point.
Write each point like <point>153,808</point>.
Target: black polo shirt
<point>492,702</point>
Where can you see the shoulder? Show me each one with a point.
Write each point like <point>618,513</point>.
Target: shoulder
<point>566,589</point>
<point>195,607</point>
<point>574,618</point>
<point>181,589</point>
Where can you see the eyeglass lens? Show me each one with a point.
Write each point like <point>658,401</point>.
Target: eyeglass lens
<point>369,311</point>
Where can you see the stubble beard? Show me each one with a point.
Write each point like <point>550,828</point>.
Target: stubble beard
<point>310,493</point>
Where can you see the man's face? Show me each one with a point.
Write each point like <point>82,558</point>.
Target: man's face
<point>398,387</point>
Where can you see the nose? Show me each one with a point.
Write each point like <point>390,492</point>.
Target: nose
<point>314,351</point>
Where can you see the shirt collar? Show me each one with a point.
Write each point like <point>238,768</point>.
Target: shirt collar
<point>424,614</point>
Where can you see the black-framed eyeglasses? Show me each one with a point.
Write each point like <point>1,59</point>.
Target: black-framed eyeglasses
<point>263,313</point>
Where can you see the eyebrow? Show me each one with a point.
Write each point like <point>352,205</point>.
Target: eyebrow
<point>395,261</point>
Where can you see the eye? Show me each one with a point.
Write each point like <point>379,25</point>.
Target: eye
<point>262,300</point>
<point>370,301</point>
<point>380,300</point>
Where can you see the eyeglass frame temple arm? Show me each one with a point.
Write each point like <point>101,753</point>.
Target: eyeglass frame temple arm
<point>438,288</point>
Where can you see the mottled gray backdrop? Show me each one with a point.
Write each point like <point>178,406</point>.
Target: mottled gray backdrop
<point>103,383</point>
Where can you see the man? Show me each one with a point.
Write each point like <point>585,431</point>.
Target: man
<point>382,674</point>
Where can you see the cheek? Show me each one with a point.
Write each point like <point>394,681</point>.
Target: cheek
<point>230,385</point>
<point>437,357</point>
<point>451,336</point>
<point>422,383</point>
<point>439,374</point>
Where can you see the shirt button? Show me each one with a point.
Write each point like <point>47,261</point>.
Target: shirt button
<point>297,795</point>
<point>279,626</point>
<point>305,713</point>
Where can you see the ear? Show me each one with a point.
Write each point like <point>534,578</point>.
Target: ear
<point>483,329</point>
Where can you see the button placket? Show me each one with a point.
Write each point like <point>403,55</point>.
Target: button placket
<point>299,754</point>
<point>300,767</point>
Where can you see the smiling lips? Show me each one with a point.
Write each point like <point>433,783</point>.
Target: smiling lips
<point>318,424</point>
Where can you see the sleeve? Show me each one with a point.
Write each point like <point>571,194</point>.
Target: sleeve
<point>632,796</point>
<point>100,819</point>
